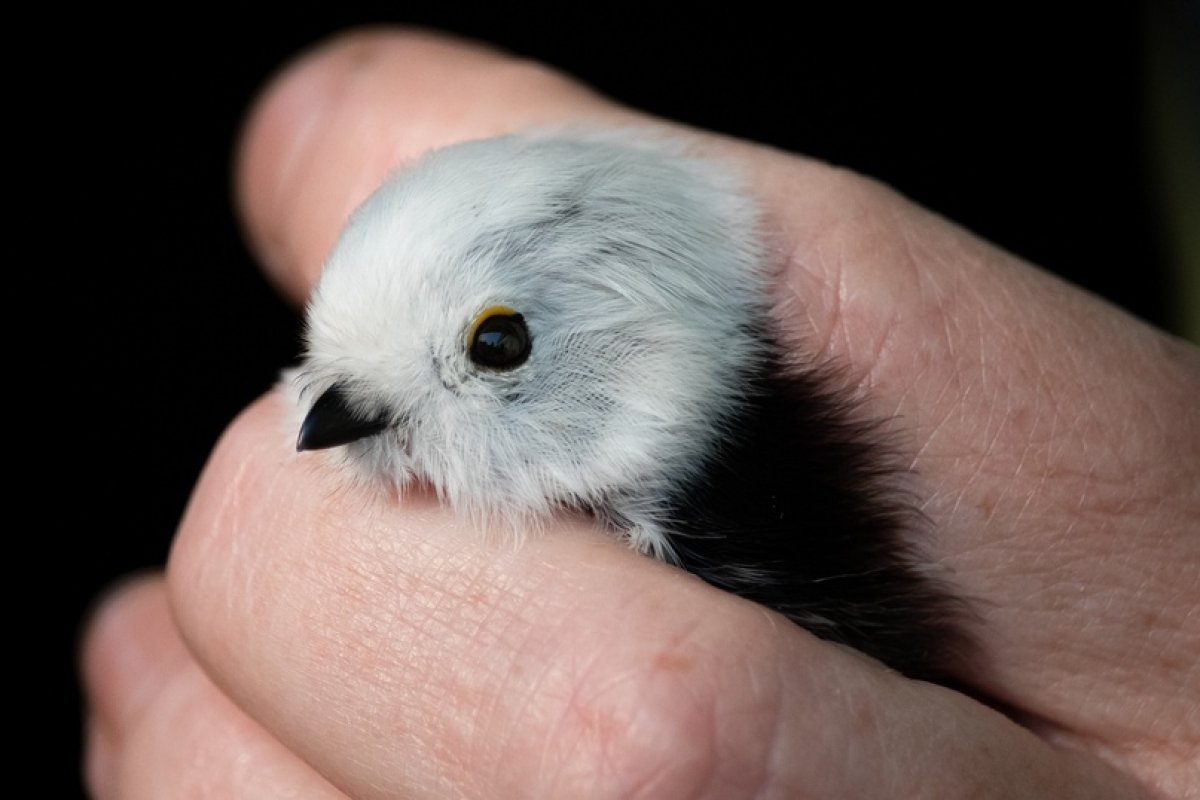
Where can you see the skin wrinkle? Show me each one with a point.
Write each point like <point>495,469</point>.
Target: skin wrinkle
<point>1161,632</point>
<point>417,625</point>
<point>559,731</point>
<point>921,262</point>
<point>225,516</point>
<point>1056,437</point>
<point>551,760</point>
<point>1153,713</point>
<point>930,286</point>
<point>881,347</point>
<point>475,713</point>
<point>251,768</point>
<point>730,726</point>
<point>675,715</point>
<point>713,717</point>
<point>836,332</point>
<point>533,688</point>
<point>963,501</point>
<point>809,254</point>
<point>1069,691</point>
<point>485,750</point>
<point>776,754</point>
<point>874,735</point>
<point>340,653</point>
<point>1028,463</point>
<point>358,596</point>
<point>821,334</point>
<point>596,726</point>
<point>905,264</point>
<point>550,749</point>
<point>707,736</point>
<point>243,596</point>
<point>763,778</point>
<point>828,340</point>
<point>702,769</point>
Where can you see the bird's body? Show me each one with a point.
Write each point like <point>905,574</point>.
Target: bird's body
<point>536,322</point>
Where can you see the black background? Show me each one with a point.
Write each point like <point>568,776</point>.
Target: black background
<point>1025,128</point>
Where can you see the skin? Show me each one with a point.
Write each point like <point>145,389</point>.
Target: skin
<point>320,638</point>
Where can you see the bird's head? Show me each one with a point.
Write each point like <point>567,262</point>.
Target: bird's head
<point>527,322</point>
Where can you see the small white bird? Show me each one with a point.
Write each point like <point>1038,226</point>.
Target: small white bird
<point>583,320</point>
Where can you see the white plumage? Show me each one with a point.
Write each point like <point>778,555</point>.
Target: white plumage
<point>638,272</point>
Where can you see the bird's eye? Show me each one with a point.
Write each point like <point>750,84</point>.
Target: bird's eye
<point>498,339</point>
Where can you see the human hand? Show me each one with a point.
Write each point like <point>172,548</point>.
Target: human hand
<point>391,649</point>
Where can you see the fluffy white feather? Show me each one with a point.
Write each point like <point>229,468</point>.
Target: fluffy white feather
<point>638,271</point>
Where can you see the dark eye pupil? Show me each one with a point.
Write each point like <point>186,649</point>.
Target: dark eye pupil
<point>501,341</point>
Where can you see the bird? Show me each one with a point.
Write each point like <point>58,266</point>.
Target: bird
<point>584,319</point>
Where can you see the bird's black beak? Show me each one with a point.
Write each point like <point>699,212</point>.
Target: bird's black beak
<point>330,422</point>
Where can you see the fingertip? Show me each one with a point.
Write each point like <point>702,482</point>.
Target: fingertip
<point>282,122</point>
<point>241,471</point>
<point>132,596</point>
<point>128,646</point>
<point>103,642</point>
<point>332,123</point>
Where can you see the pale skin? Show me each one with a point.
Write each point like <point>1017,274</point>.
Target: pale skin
<point>316,639</point>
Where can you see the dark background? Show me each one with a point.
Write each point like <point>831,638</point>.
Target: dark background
<point>1025,128</point>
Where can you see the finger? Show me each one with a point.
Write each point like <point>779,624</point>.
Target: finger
<point>403,654</point>
<point>159,728</point>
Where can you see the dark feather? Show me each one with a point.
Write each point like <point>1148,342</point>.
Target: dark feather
<point>804,509</point>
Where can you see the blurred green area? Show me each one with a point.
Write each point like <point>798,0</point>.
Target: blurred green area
<point>1173,138</point>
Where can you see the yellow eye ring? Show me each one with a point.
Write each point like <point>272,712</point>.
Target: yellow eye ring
<point>483,316</point>
<point>498,338</point>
